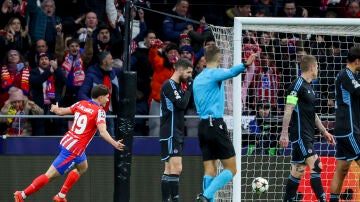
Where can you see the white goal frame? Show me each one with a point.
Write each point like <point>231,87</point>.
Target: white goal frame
<point>240,24</point>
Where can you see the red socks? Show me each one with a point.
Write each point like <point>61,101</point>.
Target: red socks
<point>37,184</point>
<point>69,182</point>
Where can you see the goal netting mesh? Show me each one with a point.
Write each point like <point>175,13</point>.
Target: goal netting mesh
<point>279,49</point>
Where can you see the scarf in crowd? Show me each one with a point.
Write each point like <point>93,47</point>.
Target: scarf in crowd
<point>75,67</point>
<point>48,88</point>
<point>16,125</point>
<point>7,80</point>
<point>107,83</point>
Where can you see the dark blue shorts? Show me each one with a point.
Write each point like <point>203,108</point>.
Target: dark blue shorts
<point>66,160</point>
<point>347,148</point>
<point>301,151</point>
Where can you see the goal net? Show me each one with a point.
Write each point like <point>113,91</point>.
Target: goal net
<point>280,44</point>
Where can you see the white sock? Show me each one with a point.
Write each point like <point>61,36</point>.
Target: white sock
<point>61,195</point>
<point>23,195</point>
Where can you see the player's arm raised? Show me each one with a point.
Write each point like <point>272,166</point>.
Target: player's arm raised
<point>105,134</point>
<point>60,110</point>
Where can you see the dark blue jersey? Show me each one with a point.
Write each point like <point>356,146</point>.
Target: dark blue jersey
<point>172,108</point>
<point>302,125</point>
<point>347,105</point>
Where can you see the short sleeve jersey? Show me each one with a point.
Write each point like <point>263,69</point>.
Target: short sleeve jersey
<point>302,125</point>
<point>173,105</point>
<point>347,104</point>
<point>87,115</point>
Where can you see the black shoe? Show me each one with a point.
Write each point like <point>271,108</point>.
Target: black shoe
<point>202,198</point>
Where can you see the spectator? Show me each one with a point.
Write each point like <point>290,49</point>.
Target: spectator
<point>184,40</point>
<point>353,9</point>
<point>263,134</point>
<point>11,9</point>
<point>18,104</point>
<point>187,52</point>
<point>163,69</point>
<point>266,81</point>
<point>73,64</point>
<point>200,64</point>
<point>263,6</point>
<point>141,64</point>
<point>328,72</point>
<point>290,9</point>
<point>241,9</point>
<point>201,34</point>
<point>107,40</point>
<point>43,22</point>
<point>91,24</point>
<point>15,73</point>
<point>173,27</point>
<point>103,73</point>
<point>17,38</point>
<point>47,82</point>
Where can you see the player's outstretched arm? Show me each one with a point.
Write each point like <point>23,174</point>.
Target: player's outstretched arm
<point>284,137</point>
<point>105,134</point>
<point>328,136</point>
<point>60,110</point>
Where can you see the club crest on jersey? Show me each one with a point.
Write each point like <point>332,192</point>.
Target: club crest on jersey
<point>176,93</point>
<point>293,93</point>
<point>310,151</point>
<point>355,83</point>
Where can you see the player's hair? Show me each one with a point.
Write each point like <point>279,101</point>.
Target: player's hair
<point>354,53</point>
<point>306,62</point>
<point>99,90</point>
<point>183,63</point>
<point>210,53</point>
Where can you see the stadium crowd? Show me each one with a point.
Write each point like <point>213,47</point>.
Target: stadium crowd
<point>55,51</point>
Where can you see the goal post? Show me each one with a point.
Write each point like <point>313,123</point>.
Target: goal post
<point>333,31</point>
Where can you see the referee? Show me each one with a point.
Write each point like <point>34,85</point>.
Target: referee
<point>300,114</point>
<point>214,140</point>
<point>173,102</point>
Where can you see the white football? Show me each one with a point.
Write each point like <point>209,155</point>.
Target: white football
<point>259,185</point>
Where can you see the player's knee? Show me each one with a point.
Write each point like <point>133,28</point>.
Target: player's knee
<point>297,171</point>
<point>317,166</point>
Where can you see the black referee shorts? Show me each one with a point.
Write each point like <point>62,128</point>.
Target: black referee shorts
<point>214,140</point>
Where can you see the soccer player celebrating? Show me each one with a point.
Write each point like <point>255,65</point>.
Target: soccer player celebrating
<point>214,140</point>
<point>301,100</point>
<point>174,100</point>
<point>347,121</point>
<point>89,117</point>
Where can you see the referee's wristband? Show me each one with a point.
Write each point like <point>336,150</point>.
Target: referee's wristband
<point>245,65</point>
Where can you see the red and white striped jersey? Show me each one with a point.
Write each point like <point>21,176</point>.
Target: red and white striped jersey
<point>88,114</point>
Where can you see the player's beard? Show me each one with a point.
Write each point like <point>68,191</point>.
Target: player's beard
<point>182,79</point>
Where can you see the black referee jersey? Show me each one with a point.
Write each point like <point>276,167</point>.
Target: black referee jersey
<point>347,104</point>
<point>172,108</point>
<point>302,125</point>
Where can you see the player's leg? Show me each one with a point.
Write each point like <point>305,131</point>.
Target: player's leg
<point>175,168</point>
<point>210,171</point>
<point>218,146</point>
<point>315,180</point>
<point>222,178</point>
<point>297,171</point>
<point>81,166</point>
<point>38,183</point>
<point>341,170</point>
